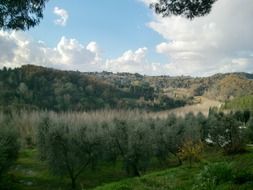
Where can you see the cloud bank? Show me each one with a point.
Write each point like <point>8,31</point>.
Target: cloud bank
<point>18,49</point>
<point>218,42</point>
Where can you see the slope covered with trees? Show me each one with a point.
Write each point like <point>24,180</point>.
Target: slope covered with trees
<point>34,87</point>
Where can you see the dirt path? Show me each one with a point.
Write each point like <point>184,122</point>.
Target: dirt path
<point>202,107</point>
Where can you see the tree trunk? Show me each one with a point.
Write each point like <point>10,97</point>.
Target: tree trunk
<point>136,171</point>
<point>178,158</point>
<point>73,183</point>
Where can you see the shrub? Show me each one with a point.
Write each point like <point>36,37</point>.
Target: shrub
<point>213,175</point>
<point>242,173</point>
<point>191,151</point>
<point>242,177</point>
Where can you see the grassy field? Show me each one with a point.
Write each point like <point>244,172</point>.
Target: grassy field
<point>31,174</point>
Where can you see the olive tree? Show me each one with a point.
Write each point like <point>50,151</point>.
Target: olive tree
<point>250,130</point>
<point>132,140</point>
<point>167,138</point>
<point>9,146</point>
<point>225,131</point>
<point>69,148</point>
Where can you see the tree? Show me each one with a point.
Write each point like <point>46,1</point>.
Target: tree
<point>68,148</point>
<point>187,8</point>
<point>9,147</point>
<point>226,131</point>
<point>21,14</point>
<point>191,151</point>
<point>132,141</point>
<point>167,138</point>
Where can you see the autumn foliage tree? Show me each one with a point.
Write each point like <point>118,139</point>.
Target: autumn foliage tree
<point>191,151</point>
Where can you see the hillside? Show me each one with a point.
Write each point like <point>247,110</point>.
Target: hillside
<point>240,103</point>
<point>231,86</point>
<point>218,87</point>
<point>203,106</point>
<point>213,174</point>
<point>34,87</point>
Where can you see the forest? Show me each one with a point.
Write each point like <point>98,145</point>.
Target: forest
<point>35,88</point>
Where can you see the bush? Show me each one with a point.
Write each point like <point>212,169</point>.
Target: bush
<point>191,151</point>
<point>9,148</point>
<point>213,175</point>
<point>242,177</point>
<point>242,173</point>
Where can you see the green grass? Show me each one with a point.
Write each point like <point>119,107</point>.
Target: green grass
<point>185,177</point>
<point>31,174</point>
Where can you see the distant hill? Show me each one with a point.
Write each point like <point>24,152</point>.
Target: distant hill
<point>231,86</point>
<point>219,86</point>
<point>240,103</point>
<point>35,87</point>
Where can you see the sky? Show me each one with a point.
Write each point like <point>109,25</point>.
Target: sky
<point>127,36</point>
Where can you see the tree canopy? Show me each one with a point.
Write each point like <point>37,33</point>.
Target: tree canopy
<point>188,8</point>
<point>20,14</point>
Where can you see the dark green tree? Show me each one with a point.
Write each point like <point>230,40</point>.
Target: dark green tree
<point>132,141</point>
<point>67,148</point>
<point>9,147</point>
<point>187,8</point>
<point>21,14</point>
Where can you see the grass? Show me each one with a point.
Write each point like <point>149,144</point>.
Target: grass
<point>31,174</point>
<point>185,177</point>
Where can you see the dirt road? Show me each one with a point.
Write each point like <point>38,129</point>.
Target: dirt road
<point>202,107</point>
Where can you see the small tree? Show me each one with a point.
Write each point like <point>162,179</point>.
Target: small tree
<point>250,129</point>
<point>69,149</point>
<point>167,138</point>
<point>132,139</point>
<point>191,151</point>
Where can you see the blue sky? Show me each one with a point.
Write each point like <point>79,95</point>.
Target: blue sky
<point>116,25</point>
<point>127,36</point>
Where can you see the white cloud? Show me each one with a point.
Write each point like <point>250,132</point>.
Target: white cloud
<point>148,2</point>
<point>134,62</point>
<point>18,49</point>
<point>218,42</point>
<point>63,16</point>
